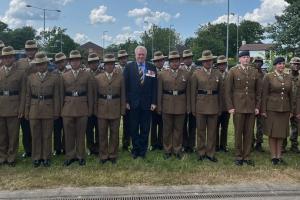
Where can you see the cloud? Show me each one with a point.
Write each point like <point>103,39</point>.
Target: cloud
<point>125,34</point>
<point>81,38</point>
<point>264,14</point>
<point>19,15</point>
<point>177,15</point>
<point>145,14</point>
<point>197,1</point>
<point>99,16</point>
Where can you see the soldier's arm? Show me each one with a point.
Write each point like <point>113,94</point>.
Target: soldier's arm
<point>193,93</point>
<point>228,90</point>
<point>220,86</point>
<point>126,79</point>
<point>27,99</point>
<point>298,99</point>
<point>154,88</point>
<point>56,98</point>
<point>62,91</point>
<point>123,97</point>
<point>159,93</point>
<point>258,91</point>
<point>265,93</point>
<point>188,96</point>
<point>95,88</point>
<point>90,95</point>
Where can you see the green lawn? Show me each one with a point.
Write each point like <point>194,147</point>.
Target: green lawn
<point>154,170</point>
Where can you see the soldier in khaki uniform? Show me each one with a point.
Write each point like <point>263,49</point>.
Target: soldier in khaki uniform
<point>109,106</point>
<point>242,93</point>
<point>12,95</point>
<point>173,103</point>
<point>25,64</point>
<point>258,63</point>
<point>1,47</point>
<point>294,74</point>
<point>92,137</point>
<point>77,95</point>
<point>41,108</point>
<point>157,122</point>
<point>189,128</point>
<point>60,60</point>
<point>277,108</point>
<point>206,84</point>
<point>223,119</point>
<point>123,60</point>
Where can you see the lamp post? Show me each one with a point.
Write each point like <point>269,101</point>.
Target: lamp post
<point>103,41</point>
<point>44,14</point>
<point>171,25</point>
<point>227,37</point>
<point>152,41</point>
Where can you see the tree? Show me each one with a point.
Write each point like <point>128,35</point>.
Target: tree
<point>161,40</point>
<point>285,31</point>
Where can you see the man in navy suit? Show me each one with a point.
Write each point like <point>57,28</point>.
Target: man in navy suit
<point>141,98</point>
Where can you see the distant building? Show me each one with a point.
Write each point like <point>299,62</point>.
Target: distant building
<point>262,50</point>
<point>91,47</point>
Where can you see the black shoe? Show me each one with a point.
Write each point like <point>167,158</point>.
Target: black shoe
<point>178,156</point>
<point>143,156</point>
<point>258,147</point>
<point>167,156</point>
<point>295,149</point>
<point>113,161</point>
<point>238,162</point>
<point>201,158</point>
<point>69,162</point>
<point>281,161</point>
<point>224,149</point>
<point>274,161</point>
<point>3,163</point>
<point>11,164</point>
<point>26,155</point>
<point>46,163</point>
<point>212,159</point>
<point>249,162</point>
<point>81,162</point>
<point>36,163</point>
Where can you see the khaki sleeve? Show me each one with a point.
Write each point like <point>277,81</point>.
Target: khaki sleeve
<point>27,99</point>
<point>90,95</point>
<point>229,83</point>
<point>258,91</point>
<point>56,97</point>
<point>159,93</point>
<point>123,96</point>
<point>265,94</point>
<point>194,88</point>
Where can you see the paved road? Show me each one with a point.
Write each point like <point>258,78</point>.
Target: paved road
<point>228,192</point>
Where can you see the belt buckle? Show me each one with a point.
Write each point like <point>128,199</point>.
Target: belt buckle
<point>109,97</point>
<point>75,94</point>
<point>209,92</point>
<point>6,93</point>
<point>175,92</point>
<point>41,97</point>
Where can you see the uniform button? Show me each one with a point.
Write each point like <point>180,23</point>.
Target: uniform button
<point>282,88</point>
<point>247,82</point>
<point>282,83</point>
<point>282,92</point>
<point>281,98</point>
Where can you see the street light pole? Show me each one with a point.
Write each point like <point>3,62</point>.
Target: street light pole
<point>103,40</point>
<point>44,14</point>
<point>227,39</point>
<point>237,37</point>
<point>171,25</point>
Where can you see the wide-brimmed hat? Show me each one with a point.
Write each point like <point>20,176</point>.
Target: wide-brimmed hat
<point>40,57</point>
<point>60,56</point>
<point>31,44</point>
<point>122,53</point>
<point>187,53</point>
<point>221,59</point>
<point>207,55</point>
<point>174,55</point>
<point>93,57</point>
<point>158,55</point>
<point>258,59</point>
<point>8,51</point>
<point>295,60</point>
<point>74,54</point>
<point>109,58</point>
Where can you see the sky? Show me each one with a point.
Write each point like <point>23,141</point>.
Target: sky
<point>115,21</point>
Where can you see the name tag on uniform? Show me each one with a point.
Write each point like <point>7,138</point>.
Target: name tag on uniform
<point>151,73</point>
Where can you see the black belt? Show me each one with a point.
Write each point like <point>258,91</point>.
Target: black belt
<point>107,96</point>
<point>75,94</point>
<point>208,92</point>
<point>8,93</point>
<point>41,97</point>
<point>174,92</point>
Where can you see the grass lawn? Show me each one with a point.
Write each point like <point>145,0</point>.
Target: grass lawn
<point>154,170</point>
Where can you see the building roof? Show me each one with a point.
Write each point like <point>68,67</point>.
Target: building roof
<point>91,45</point>
<point>256,47</point>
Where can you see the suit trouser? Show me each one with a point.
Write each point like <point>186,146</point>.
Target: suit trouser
<point>189,131</point>
<point>172,132</point>
<point>243,132</point>
<point>156,130</point>
<point>9,138</point>
<point>92,136</point>
<point>139,130</point>
<point>206,134</point>
<point>259,130</point>
<point>41,130</point>
<point>26,135</point>
<point>293,133</point>
<point>108,138</point>
<point>126,131</point>
<point>221,136</point>
<point>75,128</point>
<point>59,136</point>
